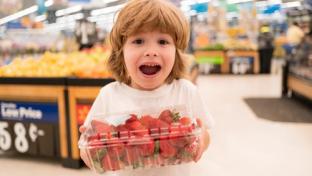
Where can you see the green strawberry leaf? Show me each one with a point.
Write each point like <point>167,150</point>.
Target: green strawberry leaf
<point>97,165</point>
<point>157,147</point>
<point>101,153</point>
<point>175,116</point>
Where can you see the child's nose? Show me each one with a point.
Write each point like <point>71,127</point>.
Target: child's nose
<point>151,51</point>
<point>149,54</point>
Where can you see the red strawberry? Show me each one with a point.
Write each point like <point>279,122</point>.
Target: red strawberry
<point>179,135</point>
<point>167,150</point>
<point>109,164</point>
<point>189,152</point>
<point>146,120</point>
<point>100,127</point>
<point>186,121</point>
<point>116,148</point>
<point>132,155</point>
<point>147,148</point>
<point>158,126</point>
<point>169,116</point>
<point>123,131</point>
<point>132,118</point>
<point>137,128</point>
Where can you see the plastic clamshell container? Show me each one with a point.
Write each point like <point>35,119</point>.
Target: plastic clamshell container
<point>140,142</point>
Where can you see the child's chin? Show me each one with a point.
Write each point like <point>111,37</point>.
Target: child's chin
<point>149,85</point>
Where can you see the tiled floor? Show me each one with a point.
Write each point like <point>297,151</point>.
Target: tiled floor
<point>242,144</point>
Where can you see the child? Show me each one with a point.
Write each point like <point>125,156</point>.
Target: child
<point>147,42</point>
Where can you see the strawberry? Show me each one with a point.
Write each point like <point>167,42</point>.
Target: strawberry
<point>169,116</point>
<point>132,156</point>
<point>116,148</point>
<point>178,135</point>
<point>147,148</point>
<point>101,127</point>
<point>109,164</point>
<point>137,128</point>
<point>146,120</point>
<point>189,152</point>
<point>132,118</point>
<point>167,150</point>
<point>123,131</point>
<point>158,126</point>
<point>185,121</point>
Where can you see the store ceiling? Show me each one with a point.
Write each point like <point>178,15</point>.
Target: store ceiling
<point>8,7</point>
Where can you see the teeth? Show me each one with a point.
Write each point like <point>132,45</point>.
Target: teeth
<point>151,65</point>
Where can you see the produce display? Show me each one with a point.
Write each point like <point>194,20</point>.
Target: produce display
<point>141,141</point>
<point>233,44</point>
<point>304,72</point>
<point>212,47</point>
<point>91,64</point>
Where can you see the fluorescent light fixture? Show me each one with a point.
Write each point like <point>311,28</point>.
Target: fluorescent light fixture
<point>101,18</point>
<point>24,12</point>
<point>109,1</point>
<point>40,18</point>
<point>19,14</point>
<point>261,3</point>
<point>48,3</point>
<point>69,10</point>
<point>202,1</point>
<point>58,26</point>
<point>72,17</point>
<point>291,4</point>
<point>185,8</point>
<point>107,10</point>
<point>237,1</point>
<point>187,2</point>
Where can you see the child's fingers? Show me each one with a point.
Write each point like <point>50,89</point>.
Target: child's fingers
<point>199,122</point>
<point>84,157</point>
<point>200,151</point>
<point>82,129</point>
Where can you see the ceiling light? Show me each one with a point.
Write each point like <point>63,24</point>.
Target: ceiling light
<point>24,12</point>
<point>291,4</point>
<point>107,10</point>
<point>40,18</point>
<point>19,14</point>
<point>68,10</point>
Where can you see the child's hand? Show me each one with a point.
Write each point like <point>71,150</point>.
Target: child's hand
<point>83,152</point>
<point>203,141</point>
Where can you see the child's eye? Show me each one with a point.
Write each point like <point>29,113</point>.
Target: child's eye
<point>138,41</point>
<point>163,42</point>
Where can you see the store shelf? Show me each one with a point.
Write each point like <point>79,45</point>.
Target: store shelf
<point>87,81</point>
<point>300,85</point>
<point>32,81</point>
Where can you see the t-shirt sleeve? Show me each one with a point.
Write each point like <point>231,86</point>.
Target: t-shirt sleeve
<point>200,109</point>
<point>97,108</point>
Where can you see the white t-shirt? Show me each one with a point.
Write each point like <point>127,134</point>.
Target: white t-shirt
<point>116,98</point>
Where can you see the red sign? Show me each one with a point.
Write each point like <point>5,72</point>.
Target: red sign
<point>82,111</point>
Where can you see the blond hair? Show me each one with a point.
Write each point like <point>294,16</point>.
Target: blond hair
<point>142,16</point>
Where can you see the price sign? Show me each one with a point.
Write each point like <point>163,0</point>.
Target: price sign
<point>29,128</point>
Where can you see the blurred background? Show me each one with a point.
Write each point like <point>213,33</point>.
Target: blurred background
<point>250,59</point>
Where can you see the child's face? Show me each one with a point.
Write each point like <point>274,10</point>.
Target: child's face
<point>149,59</point>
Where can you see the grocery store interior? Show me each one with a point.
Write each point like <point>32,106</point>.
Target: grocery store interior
<point>251,61</point>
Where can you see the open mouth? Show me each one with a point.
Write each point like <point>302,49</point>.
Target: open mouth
<point>150,69</point>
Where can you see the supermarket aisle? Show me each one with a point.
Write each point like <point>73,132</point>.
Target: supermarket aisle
<point>242,144</point>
